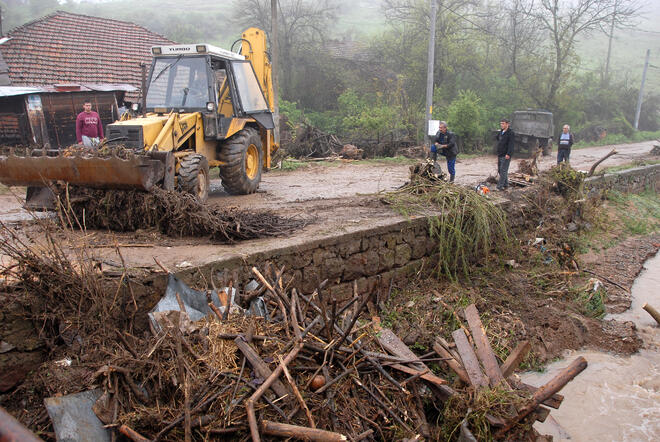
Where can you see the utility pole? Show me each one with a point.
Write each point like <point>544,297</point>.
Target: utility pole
<point>641,89</point>
<point>0,21</point>
<point>274,32</point>
<point>431,64</point>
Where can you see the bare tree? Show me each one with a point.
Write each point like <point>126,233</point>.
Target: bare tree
<point>303,25</point>
<point>562,23</point>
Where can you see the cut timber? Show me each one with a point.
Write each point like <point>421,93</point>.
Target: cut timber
<point>557,383</point>
<point>653,312</point>
<point>285,430</point>
<point>484,351</point>
<point>394,345</point>
<point>426,375</point>
<point>449,360</point>
<point>541,413</point>
<point>470,361</point>
<point>260,367</point>
<point>514,359</point>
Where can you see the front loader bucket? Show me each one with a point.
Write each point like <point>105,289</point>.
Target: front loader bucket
<point>85,169</point>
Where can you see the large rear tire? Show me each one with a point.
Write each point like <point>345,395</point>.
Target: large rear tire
<point>243,156</point>
<point>193,176</point>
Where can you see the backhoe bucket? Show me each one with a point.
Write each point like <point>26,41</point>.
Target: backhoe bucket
<point>140,172</point>
<point>86,168</point>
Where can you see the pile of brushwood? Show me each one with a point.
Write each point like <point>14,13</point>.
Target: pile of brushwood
<point>468,227</point>
<point>174,214</point>
<point>311,142</point>
<point>312,368</point>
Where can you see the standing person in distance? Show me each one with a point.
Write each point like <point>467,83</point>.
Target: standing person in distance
<point>89,129</point>
<point>504,153</point>
<point>565,143</point>
<point>446,142</point>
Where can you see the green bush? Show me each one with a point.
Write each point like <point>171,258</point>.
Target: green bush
<point>465,117</point>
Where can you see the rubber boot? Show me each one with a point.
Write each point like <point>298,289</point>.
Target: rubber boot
<point>451,178</point>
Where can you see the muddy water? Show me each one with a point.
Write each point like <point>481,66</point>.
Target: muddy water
<point>616,398</point>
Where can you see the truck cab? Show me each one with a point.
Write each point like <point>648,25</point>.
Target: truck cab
<point>534,129</point>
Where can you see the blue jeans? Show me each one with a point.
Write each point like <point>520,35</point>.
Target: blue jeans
<point>503,170</point>
<point>451,166</point>
<point>562,155</point>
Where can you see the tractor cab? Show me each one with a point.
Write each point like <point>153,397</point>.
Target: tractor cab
<point>203,78</point>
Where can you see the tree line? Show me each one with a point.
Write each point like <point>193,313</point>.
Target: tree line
<point>491,58</point>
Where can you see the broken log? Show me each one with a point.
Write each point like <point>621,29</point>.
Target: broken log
<point>653,312</point>
<point>515,357</point>
<point>469,359</point>
<point>451,362</point>
<point>298,432</point>
<point>260,367</point>
<point>557,383</point>
<point>553,401</point>
<point>593,168</point>
<point>484,350</point>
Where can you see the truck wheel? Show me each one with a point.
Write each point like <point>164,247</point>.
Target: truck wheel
<point>547,147</point>
<point>242,155</point>
<point>193,176</point>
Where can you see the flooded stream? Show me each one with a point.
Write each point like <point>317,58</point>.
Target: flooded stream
<point>616,398</point>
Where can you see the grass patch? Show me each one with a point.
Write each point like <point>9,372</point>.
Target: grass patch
<point>636,137</point>
<point>495,402</point>
<point>639,213</point>
<point>634,164</point>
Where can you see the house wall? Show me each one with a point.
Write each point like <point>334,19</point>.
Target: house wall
<point>14,128</point>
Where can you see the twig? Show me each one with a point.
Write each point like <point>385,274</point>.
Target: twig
<point>252,418</point>
<point>606,280</point>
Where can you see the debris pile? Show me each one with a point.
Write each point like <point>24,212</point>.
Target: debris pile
<point>172,213</point>
<point>501,401</point>
<point>311,142</point>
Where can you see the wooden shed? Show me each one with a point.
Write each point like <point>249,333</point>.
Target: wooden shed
<point>46,115</point>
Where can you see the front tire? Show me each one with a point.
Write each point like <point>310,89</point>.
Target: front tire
<point>243,157</point>
<point>193,176</point>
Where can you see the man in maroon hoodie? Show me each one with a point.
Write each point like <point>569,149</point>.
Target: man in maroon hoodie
<point>89,129</point>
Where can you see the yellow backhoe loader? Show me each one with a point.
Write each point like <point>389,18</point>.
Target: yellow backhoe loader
<point>204,107</point>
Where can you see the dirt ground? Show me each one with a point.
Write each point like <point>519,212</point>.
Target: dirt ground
<point>333,198</point>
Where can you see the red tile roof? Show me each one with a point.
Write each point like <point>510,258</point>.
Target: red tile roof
<point>73,48</point>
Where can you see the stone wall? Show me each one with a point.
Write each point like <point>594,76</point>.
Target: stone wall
<point>373,255</point>
<point>629,180</point>
<point>370,258</point>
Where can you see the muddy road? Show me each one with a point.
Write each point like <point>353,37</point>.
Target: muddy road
<point>326,188</point>
<point>345,180</point>
<point>337,198</point>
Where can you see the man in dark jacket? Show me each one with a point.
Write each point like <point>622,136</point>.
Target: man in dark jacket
<point>565,143</point>
<point>504,153</point>
<point>446,142</point>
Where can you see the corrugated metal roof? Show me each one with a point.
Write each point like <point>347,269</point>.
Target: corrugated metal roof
<point>73,48</point>
<point>10,91</point>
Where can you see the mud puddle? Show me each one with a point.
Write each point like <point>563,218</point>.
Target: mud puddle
<point>616,398</point>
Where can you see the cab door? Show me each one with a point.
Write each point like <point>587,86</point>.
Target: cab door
<point>250,98</point>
